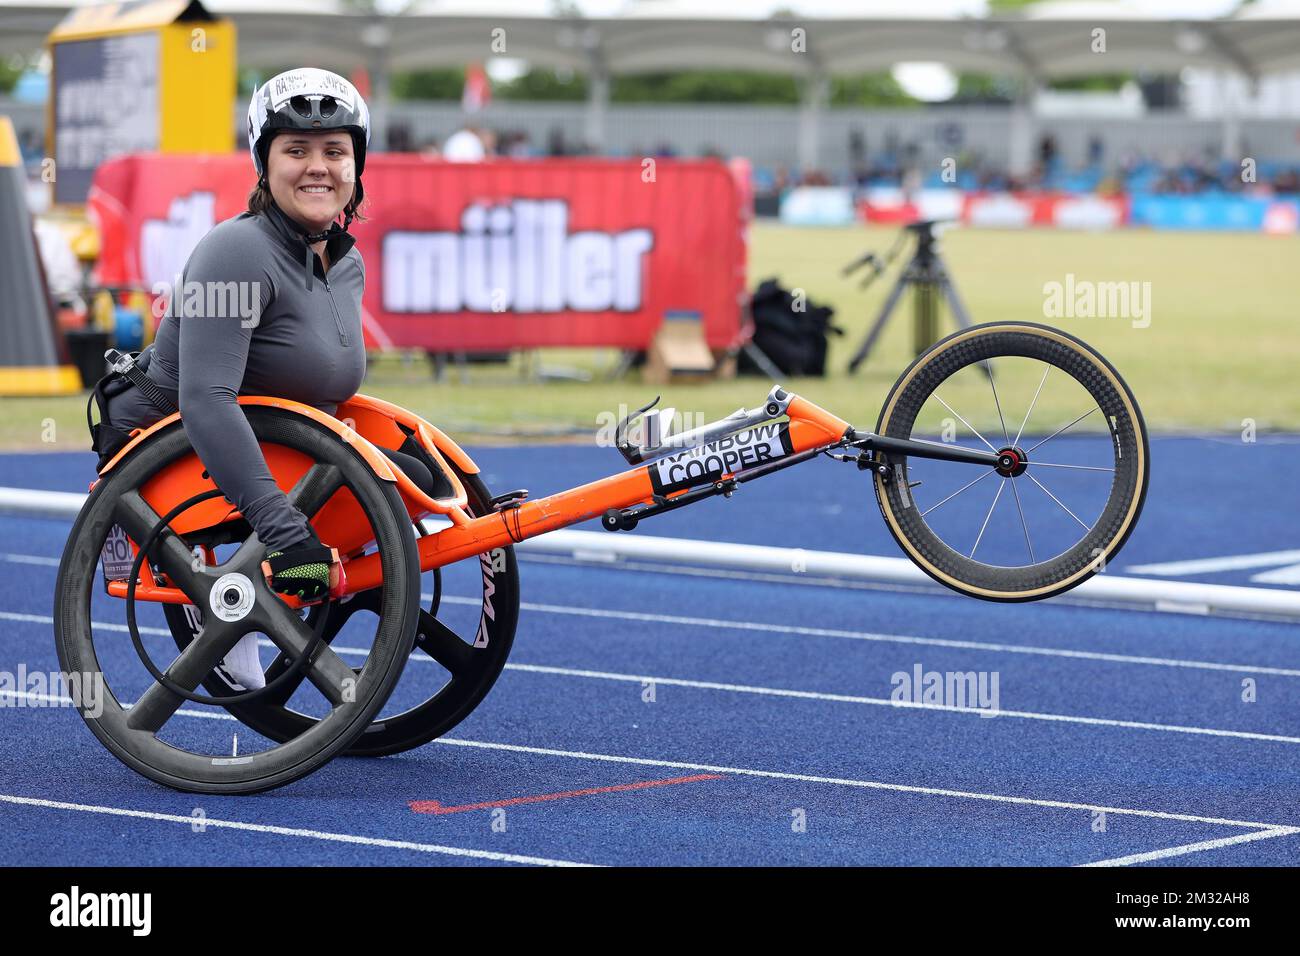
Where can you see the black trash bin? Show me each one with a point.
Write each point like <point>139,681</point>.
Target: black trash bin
<point>86,347</point>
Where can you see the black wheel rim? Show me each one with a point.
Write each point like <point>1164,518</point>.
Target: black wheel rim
<point>351,695</point>
<point>928,521</point>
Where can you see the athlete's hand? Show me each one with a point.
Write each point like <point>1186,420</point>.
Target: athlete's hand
<point>307,570</point>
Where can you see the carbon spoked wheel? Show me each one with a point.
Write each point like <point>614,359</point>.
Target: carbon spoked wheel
<point>1074,467</point>
<point>462,643</point>
<point>155,734</point>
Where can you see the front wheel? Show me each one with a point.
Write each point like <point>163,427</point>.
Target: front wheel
<point>1078,447</point>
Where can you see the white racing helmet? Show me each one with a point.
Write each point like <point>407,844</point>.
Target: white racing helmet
<point>306,99</point>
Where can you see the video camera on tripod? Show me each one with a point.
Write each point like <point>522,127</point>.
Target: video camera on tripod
<point>930,279</point>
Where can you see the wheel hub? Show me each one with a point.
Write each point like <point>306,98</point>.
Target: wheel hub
<point>232,597</point>
<point>1012,462</point>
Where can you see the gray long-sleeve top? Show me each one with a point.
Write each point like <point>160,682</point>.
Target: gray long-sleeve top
<point>256,315</point>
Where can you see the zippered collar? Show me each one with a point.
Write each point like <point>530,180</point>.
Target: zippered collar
<point>338,241</point>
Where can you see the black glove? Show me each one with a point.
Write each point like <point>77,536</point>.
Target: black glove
<point>307,570</point>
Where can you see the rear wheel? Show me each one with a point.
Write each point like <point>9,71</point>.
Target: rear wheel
<point>154,735</point>
<point>461,645</point>
<point>1074,447</point>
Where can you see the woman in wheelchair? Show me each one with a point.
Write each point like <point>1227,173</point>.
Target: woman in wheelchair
<point>291,330</point>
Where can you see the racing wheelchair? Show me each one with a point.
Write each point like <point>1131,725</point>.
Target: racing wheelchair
<point>154,527</point>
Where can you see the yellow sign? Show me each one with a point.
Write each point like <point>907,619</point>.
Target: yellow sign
<point>137,77</point>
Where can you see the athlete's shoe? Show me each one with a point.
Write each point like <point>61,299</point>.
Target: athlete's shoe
<point>244,663</point>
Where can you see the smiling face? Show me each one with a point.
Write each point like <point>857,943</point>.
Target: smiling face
<point>311,175</point>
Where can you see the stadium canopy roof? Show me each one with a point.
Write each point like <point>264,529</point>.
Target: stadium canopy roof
<point>1046,40</point>
<point>1040,42</point>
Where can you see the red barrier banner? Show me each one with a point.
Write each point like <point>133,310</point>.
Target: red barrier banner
<point>475,256</point>
<point>1000,210</point>
<point>1061,210</point>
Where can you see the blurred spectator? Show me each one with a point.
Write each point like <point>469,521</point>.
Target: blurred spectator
<point>555,145</point>
<point>515,144</point>
<point>465,146</point>
<point>399,138</point>
<point>1047,153</point>
<point>1096,150</point>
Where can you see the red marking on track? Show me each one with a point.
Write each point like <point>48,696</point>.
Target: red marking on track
<point>433,806</point>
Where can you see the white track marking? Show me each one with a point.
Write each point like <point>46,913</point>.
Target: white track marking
<point>1069,599</point>
<point>806,778</point>
<point>1235,562</point>
<point>833,698</point>
<point>901,705</point>
<point>1288,575</point>
<point>848,782</point>
<point>290,831</point>
<point>803,631</point>
<point>30,559</point>
<point>830,699</point>
<point>61,700</point>
<point>1196,847</point>
<point>715,623</point>
<point>600,559</point>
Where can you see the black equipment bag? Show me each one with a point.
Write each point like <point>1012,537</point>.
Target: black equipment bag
<point>792,334</point>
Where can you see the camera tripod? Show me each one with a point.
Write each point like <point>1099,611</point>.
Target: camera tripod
<point>928,274</point>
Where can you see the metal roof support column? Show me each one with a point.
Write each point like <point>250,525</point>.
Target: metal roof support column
<point>1230,145</point>
<point>377,37</point>
<point>597,94</point>
<point>1020,158</point>
<point>815,94</point>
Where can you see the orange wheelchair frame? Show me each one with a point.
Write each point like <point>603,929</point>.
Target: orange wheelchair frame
<point>356,500</point>
<point>365,423</point>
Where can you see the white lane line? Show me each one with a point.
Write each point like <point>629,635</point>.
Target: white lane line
<point>1288,575</point>
<point>98,625</point>
<point>886,702</point>
<point>848,782</point>
<point>1195,847</point>
<point>30,559</point>
<point>834,698</point>
<point>291,832</point>
<point>804,631</point>
<point>805,778</point>
<point>933,590</point>
<point>1232,562</point>
<point>758,626</point>
<point>51,700</point>
<point>843,699</point>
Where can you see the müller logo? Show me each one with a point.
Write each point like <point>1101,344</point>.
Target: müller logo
<point>515,257</point>
<point>76,908</point>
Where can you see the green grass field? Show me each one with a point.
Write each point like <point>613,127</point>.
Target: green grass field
<point>1222,346</point>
